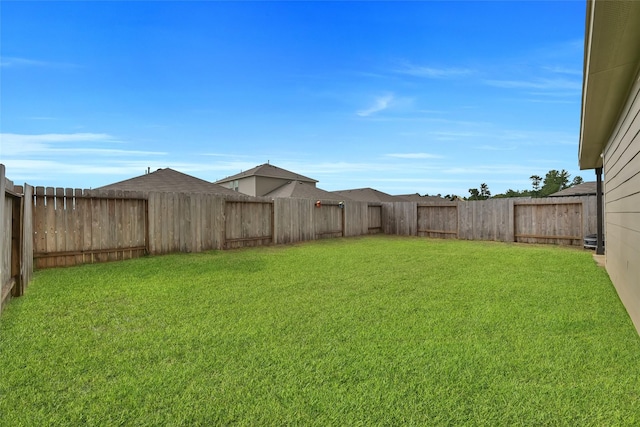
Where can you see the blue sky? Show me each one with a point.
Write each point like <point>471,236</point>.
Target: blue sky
<point>405,97</point>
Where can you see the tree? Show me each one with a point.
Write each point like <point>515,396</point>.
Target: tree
<point>515,193</point>
<point>576,180</point>
<point>481,194</point>
<point>475,194</point>
<point>484,191</point>
<point>554,181</point>
<point>535,183</point>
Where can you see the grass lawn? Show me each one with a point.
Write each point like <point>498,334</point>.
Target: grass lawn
<point>361,331</point>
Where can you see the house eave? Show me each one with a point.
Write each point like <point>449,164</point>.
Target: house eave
<point>612,59</point>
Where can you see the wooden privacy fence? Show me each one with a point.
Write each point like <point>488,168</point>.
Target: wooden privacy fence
<point>438,221</point>
<point>16,261</point>
<point>374,216</point>
<point>563,220</point>
<point>59,227</point>
<point>248,223</point>
<point>558,222</point>
<point>80,226</point>
<point>74,226</point>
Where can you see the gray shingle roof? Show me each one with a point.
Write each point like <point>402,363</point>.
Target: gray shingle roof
<point>584,189</point>
<point>418,198</point>
<point>368,195</point>
<point>302,190</point>
<point>270,171</point>
<point>168,180</point>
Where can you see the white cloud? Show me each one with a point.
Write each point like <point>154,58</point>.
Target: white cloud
<point>381,103</point>
<point>563,70</point>
<point>60,173</point>
<point>414,156</point>
<point>16,144</point>
<point>495,148</point>
<point>8,61</point>
<point>332,168</point>
<point>57,137</point>
<point>488,170</point>
<point>54,143</point>
<point>431,72</point>
<point>12,62</point>
<point>544,84</point>
<point>454,135</point>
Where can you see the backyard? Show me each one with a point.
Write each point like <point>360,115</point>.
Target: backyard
<point>373,330</point>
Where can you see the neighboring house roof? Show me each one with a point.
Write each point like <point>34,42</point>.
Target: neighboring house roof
<point>301,190</point>
<point>168,180</point>
<point>584,189</point>
<point>418,198</point>
<point>611,62</point>
<point>269,171</point>
<point>369,195</point>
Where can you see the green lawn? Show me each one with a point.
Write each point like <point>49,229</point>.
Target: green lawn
<point>364,331</point>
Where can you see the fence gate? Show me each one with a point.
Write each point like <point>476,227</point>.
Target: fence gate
<point>328,219</point>
<point>77,226</point>
<point>548,222</point>
<point>439,221</point>
<point>248,223</point>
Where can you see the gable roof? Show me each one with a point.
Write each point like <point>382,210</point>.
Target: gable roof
<point>168,180</point>
<point>270,171</point>
<point>584,189</point>
<point>369,195</point>
<point>302,190</point>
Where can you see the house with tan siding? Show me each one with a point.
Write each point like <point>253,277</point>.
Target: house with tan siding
<point>262,180</point>
<point>610,136</point>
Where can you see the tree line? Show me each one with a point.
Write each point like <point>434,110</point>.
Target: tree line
<point>553,182</point>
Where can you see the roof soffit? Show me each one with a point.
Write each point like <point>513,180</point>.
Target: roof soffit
<point>612,58</point>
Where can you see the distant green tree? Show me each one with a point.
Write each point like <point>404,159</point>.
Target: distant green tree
<point>576,180</point>
<point>515,193</point>
<point>554,181</point>
<point>481,194</point>
<point>484,191</point>
<point>535,183</point>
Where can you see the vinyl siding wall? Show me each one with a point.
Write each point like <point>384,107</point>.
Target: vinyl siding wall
<point>622,205</point>
<point>247,185</point>
<point>266,185</point>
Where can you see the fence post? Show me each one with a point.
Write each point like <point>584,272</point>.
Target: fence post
<point>273,222</point>
<point>26,271</point>
<point>599,213</point>
<point>511,227</point>
<point>2,233</point>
